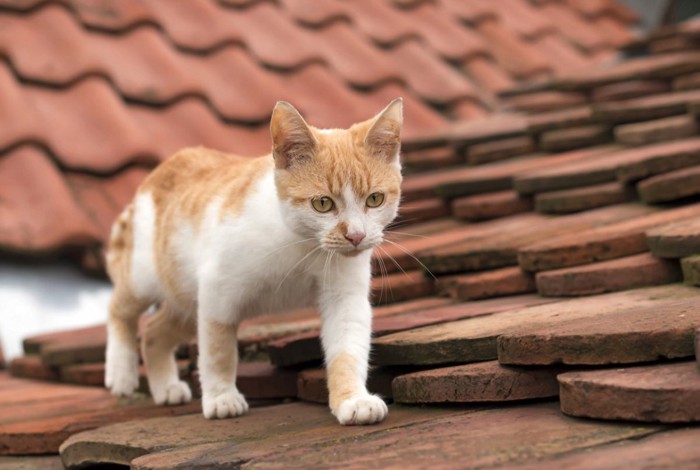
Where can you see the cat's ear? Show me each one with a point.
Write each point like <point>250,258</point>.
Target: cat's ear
<point>292,139</point>
<point>384,135</point>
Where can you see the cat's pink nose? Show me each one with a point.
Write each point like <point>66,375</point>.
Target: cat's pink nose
<point>355,238</point>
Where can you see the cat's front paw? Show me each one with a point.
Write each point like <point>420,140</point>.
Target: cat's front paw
<point>363,409</point>
<point>224,405</point>
<point>177,393</point>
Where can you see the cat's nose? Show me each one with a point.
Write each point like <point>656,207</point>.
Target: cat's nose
<point>355,238</point>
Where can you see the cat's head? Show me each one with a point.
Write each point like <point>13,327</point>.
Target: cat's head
<point>340,187</point>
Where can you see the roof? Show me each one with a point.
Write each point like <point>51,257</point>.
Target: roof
<point>93,94</point>
<point>558,213</point>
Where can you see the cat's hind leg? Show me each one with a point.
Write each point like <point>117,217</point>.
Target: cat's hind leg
<point>122,355</point>
<point>164,332</point>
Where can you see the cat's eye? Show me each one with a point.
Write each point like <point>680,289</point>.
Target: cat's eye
<point>375,200</point>
<point>323,204</point>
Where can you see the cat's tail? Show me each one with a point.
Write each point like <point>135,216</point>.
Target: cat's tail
<point>120,242</point>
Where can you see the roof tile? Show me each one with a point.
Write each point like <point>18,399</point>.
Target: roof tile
<point>601,243</point>
<point>32,184</point>
<point>380,21</point>
<point>628,89</point>
<point>572,26</point>
<point>657,130</point>
<point>655,393</point>
<point>487,74</point>
<point>670,186</point>
<point>579,199</point>
<point>675,240</point>
<point>487,284</point>
<point>608,276</point>
<point>445,35</point>
<point>480,382</point>
<point>490,205</point>
<point>512,53</point>
<point>430,77</point>
<point>314,13</point>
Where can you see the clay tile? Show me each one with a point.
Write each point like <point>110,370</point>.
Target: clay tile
<point>468,109</point>
<point>487,74</point>
<point>615,32</point>
<point>47,45</point>
<point>513,54</point>
<point>111,15</point>
<point>20,5</point>
<point>353,57</point>
<point>523,19</point>
<point>20,120</point>
<point>241,3</point>
<point>562,56</point>
<point>91,128</point>
<point>195,25</point>
<point>38,212</point>
<point>574,27</point>
<point>595,8</point>
<point>315,13</point>
<point>190,123</point>
<point>381,22</point>
<point>472,11</point>
<point>272,36</point>
<point>444,34</point>
<point>429,76</point>
<point>237,86</point>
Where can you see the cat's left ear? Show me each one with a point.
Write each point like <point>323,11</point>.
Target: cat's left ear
<point>384,135</point>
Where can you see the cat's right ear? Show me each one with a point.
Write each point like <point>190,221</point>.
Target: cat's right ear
<point>292,139</point>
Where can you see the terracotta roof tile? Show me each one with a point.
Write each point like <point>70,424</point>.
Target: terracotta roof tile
<point>444,34</point>
<point>487,74</point>
<point>380,21</point>
<point>572,26</point>
<point>512,53</point>
<point>312,13</point>
<point>487,284</point>
<point>430,77</point>
<point>675,240</point>
<point>33,184</point>
<point>578,199</point>
<point>628,89</point>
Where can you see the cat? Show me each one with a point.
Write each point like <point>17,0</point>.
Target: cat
<point>213,238</point>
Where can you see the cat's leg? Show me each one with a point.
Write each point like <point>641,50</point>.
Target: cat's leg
<point>218,361</point>
<point>165,331</point>
<point>122,355</point>
<point>346,335</point>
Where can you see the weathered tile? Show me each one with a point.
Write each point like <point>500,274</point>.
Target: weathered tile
<point>497,243</point>
<point>560,119</point>
<point>608,276</point>
<point>659,158</point>
<point>498,437</point>
<point>256,434</point>
<point>566,201</point>
<point>511,52</point>
<point>669,449</point>
<point>486,284</point>
<point>670,186</point>
<point>479,382</point>
<point>423,210</point>
<point>628,89</point>
<point>631,334</point>
<point>34,344</point>
<point>664,393</point>
<point>675,240</point>
<point>499,149</point>
<point>398,287</point>
<point>657,130</point>
<point>490,205</point>
<point>544,101</point>
<point>598,244</point>
<point>594,166</point>
<point>474,339</point>
<point>691,270</point>
<point>31,367</point>
<point>660,66</point>
<point>35,417</point>
<point>648,107</point>
<point>574,137</point>
<point>49,462</point>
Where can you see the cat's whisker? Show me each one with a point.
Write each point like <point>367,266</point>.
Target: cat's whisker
<point>384,273</point>
<point>414,257</point>
<point>287,246</point>
<point>294,267</point>
<point>406,233</point>
<point>396,263</point>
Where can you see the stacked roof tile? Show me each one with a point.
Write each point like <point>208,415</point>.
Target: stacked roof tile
<point>554,202</point>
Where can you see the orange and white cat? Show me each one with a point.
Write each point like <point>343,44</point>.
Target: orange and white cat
<point>213,238</point>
